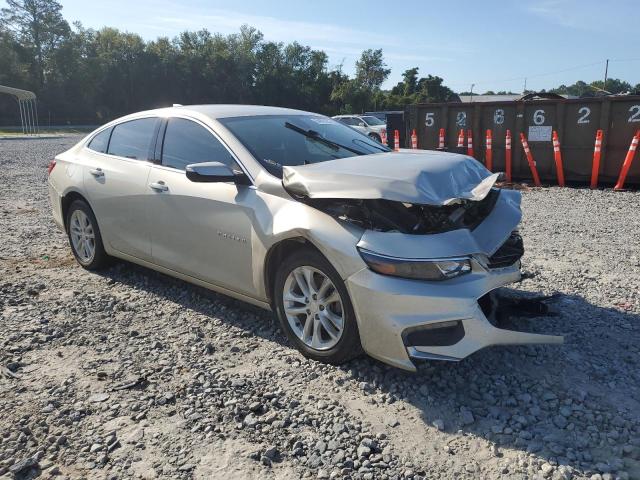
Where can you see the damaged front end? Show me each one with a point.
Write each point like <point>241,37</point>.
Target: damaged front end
<point>391,216</point>
<point>438,239</point>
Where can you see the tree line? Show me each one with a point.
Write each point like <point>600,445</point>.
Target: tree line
<point>90,76</point>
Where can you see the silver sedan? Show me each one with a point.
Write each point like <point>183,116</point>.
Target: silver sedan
<point>356,248</point>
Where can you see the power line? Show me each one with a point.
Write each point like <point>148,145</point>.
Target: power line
<point>625,59</point>
<point>521,77</point>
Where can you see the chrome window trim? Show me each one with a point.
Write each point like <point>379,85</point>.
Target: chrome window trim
<point>85,145</point>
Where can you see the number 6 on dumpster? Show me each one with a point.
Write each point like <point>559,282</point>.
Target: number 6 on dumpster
<point>538,117</point>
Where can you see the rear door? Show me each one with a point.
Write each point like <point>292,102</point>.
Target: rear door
<point>203,230</point>
<point>358,124</point>
<point>118,165</point>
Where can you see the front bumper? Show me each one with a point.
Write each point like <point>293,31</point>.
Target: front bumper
<point>389,309</point>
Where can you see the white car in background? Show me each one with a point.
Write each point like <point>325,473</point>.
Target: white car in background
<point>371,126</point>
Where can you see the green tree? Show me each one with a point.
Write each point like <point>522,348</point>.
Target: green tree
<point>371,71</point>
<point>39,26</point>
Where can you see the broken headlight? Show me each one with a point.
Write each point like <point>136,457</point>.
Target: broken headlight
<point>436,269</point>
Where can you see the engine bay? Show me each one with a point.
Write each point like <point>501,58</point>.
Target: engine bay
<point>393,216</point>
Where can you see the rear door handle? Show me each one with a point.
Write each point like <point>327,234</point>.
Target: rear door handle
<point>96,172</point>
<point>159,186</point>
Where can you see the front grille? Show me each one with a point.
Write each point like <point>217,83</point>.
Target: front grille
<point>509,253</point>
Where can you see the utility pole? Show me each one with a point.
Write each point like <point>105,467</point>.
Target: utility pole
<point>524,90</point>
<point>471,91</point>
<point>606,71</point>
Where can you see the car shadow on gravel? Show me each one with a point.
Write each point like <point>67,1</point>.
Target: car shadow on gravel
<point>568,405</point>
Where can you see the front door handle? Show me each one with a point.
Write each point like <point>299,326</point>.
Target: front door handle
<point>96,172</point>
<point>159,186</point>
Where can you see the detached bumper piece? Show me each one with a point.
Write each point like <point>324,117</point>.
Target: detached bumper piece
<point>455,340</point>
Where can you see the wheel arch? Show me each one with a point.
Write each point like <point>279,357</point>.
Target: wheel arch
<point>67,199</point>
<point>277,253</point>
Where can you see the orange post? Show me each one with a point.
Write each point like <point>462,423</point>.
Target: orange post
<point>557,156</point>
<point>507,155</point>
<point>595,167</point>
<point>461,138</point>
<point>414,139</point>
<point>396,140</point>
<point>530,160</point>
<point>470,143</point>
<point>441,139</point>
<point>627,161</point>
<point>383,137</point>
<point>488,159</point>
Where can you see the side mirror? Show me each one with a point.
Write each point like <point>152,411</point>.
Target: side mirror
<point>210,172</point>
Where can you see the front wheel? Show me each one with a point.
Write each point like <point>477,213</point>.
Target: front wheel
<point>376,137</point>
<point>314,308</point>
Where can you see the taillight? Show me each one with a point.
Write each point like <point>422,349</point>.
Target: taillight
<point>384,130</point>
<point>51,166</point>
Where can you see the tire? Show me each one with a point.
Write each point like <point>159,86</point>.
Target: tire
<point>376,137</point>
<point>335,351</point>
<point>81,215</point>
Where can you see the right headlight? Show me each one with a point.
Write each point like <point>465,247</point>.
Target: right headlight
<point>436,269</point>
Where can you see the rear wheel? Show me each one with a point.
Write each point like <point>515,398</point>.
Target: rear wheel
<point>84,236</point>
<point>314,308</point>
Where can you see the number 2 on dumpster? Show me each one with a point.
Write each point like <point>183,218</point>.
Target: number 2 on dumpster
<point>498,116</point>
<point>461,119</point>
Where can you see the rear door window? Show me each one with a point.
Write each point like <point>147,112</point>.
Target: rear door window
<point>100,142</point>
<point>133,139</point>
<point>186,142</point>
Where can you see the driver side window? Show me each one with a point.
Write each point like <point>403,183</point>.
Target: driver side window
<point>186,142</point>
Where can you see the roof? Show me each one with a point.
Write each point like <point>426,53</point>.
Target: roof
<point>488,98</point>
<point>509,97</point>
<point>18,93</point>
<point>222,111</point>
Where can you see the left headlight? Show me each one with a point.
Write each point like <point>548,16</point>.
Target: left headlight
<point>437,269</point>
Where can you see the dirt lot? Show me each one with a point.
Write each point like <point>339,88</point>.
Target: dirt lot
<point>130,374</point>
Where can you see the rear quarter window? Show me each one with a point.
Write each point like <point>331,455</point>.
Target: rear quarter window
<point>100,142</point>
<point>133,139</point>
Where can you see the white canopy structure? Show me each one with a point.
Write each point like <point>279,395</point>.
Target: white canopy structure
<point>28,106</point>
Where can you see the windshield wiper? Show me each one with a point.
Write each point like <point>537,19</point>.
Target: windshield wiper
<point>313,135</point>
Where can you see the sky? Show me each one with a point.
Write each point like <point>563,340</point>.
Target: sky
<point>491,44</point>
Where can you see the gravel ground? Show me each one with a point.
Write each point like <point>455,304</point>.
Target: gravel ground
<point>131,374</point>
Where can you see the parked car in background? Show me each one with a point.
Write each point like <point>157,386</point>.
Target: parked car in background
<point>356,248</point>
<point>367,124</point>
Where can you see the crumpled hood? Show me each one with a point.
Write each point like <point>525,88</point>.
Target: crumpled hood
<point>409,176</point>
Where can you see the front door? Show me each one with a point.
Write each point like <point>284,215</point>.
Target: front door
<point>203,230</point>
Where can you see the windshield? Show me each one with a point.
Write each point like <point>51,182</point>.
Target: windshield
<point>279,140</point>
<point>373,120</point>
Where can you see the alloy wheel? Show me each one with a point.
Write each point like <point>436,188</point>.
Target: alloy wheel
<point>82,236</point>
<point>313,308</point>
